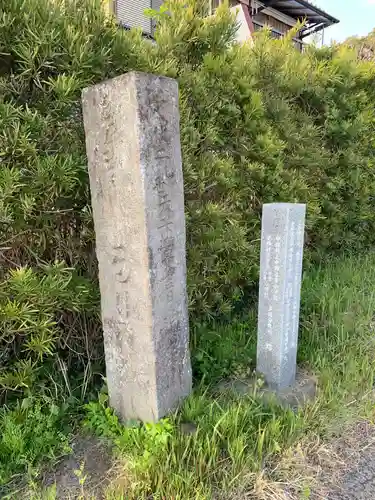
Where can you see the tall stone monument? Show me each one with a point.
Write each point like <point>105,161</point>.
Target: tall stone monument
<point>279,292</point>
<point>134,158</point>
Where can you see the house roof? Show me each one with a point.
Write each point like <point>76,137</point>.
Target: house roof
<point>315,19</point>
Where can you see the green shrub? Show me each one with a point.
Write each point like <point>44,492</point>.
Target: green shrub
<point>259,123</point>
<point>224,349</point>
<point>34,309</point>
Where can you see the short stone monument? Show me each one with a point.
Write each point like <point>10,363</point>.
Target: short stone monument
<point>279,292</point>
<point>134,157</point>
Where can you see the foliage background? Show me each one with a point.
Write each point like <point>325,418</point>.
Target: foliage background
<point>259,123</point>
<point>364,46</point>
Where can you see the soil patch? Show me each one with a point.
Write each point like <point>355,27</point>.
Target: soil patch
<point>96,463</point>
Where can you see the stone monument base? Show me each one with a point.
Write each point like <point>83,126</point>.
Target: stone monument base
<point>293,397</point>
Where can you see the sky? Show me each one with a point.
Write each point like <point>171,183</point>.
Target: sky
<point>357,17</point>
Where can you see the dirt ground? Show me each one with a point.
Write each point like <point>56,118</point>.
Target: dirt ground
<point>351,474</point>
<point>96,463</point>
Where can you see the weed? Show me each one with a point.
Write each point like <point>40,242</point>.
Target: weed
<point>82,477</point>
<point>31,433</point>
<point>36,493</point>
<point>143,441</point>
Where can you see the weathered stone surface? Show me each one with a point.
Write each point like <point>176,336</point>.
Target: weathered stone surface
<point>133,148</point>
<point>279,292</point>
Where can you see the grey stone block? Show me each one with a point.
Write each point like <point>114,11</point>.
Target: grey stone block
<point>134,157</point>
<point>279,292</point>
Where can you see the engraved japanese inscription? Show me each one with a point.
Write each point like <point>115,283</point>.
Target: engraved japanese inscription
<point>134,159</point>
<point>279,292</point>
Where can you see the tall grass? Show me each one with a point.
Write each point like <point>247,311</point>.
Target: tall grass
<point>233,438</point>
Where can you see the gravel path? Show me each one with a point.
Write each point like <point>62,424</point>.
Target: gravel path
<point>358,484</point>
<point>355,478</point>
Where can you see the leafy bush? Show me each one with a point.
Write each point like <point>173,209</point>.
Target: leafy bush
<point>259,123</point>
<point>33,315</point>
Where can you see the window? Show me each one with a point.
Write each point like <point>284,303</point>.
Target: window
<point>278,28</point>
<point>130,13</point>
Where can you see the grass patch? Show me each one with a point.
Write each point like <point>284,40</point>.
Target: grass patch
<point>337,338</point>
<point>234,437</point>
<point>218,441</point>
<point>31,433</point>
